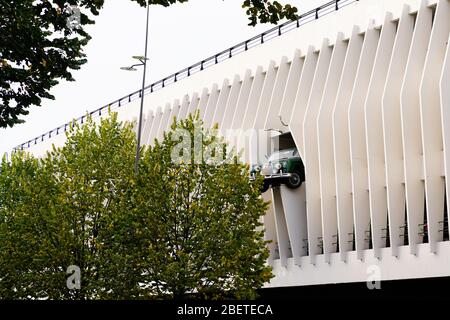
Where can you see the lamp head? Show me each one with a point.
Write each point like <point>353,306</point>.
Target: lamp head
<point>140,58</point>
<point>128,68</point>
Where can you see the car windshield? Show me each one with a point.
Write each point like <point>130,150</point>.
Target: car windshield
<point>282,154</point>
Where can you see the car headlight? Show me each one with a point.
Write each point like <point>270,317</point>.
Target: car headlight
<point>278,166</point>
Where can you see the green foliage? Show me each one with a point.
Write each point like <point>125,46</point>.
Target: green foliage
<point>38,47</point>
<point>198,221</point>
<point>178,228</point>
<point>52,211</point>
<point>264,11</point>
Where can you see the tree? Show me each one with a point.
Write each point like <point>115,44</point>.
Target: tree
<point>38,46</point>
<point>199,220</point>
<point>178,229</point>
<point>52,211</point>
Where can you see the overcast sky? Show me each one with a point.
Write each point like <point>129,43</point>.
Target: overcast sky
<point>179,36</point>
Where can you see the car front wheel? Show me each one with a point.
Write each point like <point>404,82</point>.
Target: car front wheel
<point>294,181</point>
<point>265,186</point>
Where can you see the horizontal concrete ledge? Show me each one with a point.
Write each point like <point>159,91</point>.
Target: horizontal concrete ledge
<point>424,264</point>
<point>408,289</point>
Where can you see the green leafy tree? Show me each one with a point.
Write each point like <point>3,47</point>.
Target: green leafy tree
<point>199,221</point>
<point>53,210</point>
<point>264,11</point>
<point>38,45</point>
<point>178,229</point>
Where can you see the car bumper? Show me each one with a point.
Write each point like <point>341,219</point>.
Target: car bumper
<point>274,176</point>
<point>277,176</point>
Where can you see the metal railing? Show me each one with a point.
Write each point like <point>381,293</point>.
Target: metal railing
<point>260,39</point>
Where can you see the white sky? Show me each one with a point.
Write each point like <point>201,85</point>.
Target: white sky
<point>179,36</point>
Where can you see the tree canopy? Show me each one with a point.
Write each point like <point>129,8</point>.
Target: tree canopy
<point>39,45</point>
<point>180,229</point>
<point>53,211</point>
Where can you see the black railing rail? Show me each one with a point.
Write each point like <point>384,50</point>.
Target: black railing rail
<point>272,33</point>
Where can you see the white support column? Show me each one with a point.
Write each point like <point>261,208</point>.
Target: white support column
<point>203,102</point>
<point>269,109</point>
<point>265,81</point>
<point>164,121</point>
<point>260,140</point>
<point>284,245</point>
<point>430,110</point>
<point>173,113</point>
<point>264,98</point>
<point>134,120</point>
<point>208,114</point>
<point>294,205</point>
<point>301,99</point>
<point>184,108</point>
<point>194,104</point>
<point>311,157</point>
<point>445,109</point>
<point>272,121</point>
<point>293,201</point>
<point>155,126</point>
<point>237,134</point>
<point>241,104</point>
<point>374,136</point>
<point>392,128</point>
<point>230,108</point>
<point>278,200</point>
<point>411,126</point>
<point>148,126</point>
<point>341,144</point>
<point>327,180</point>
<point>358,154</point>
<point>221,103</point>
<point>245,142</point>
<point>292,86</point>
<point>253,99</point>
<point>270,233</point>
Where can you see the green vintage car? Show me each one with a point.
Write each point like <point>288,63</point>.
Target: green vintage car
<point>282,167</point>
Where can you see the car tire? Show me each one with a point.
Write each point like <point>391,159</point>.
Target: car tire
<point>294,181</point>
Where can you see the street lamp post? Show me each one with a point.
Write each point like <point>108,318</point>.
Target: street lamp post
<point>143,62</point>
